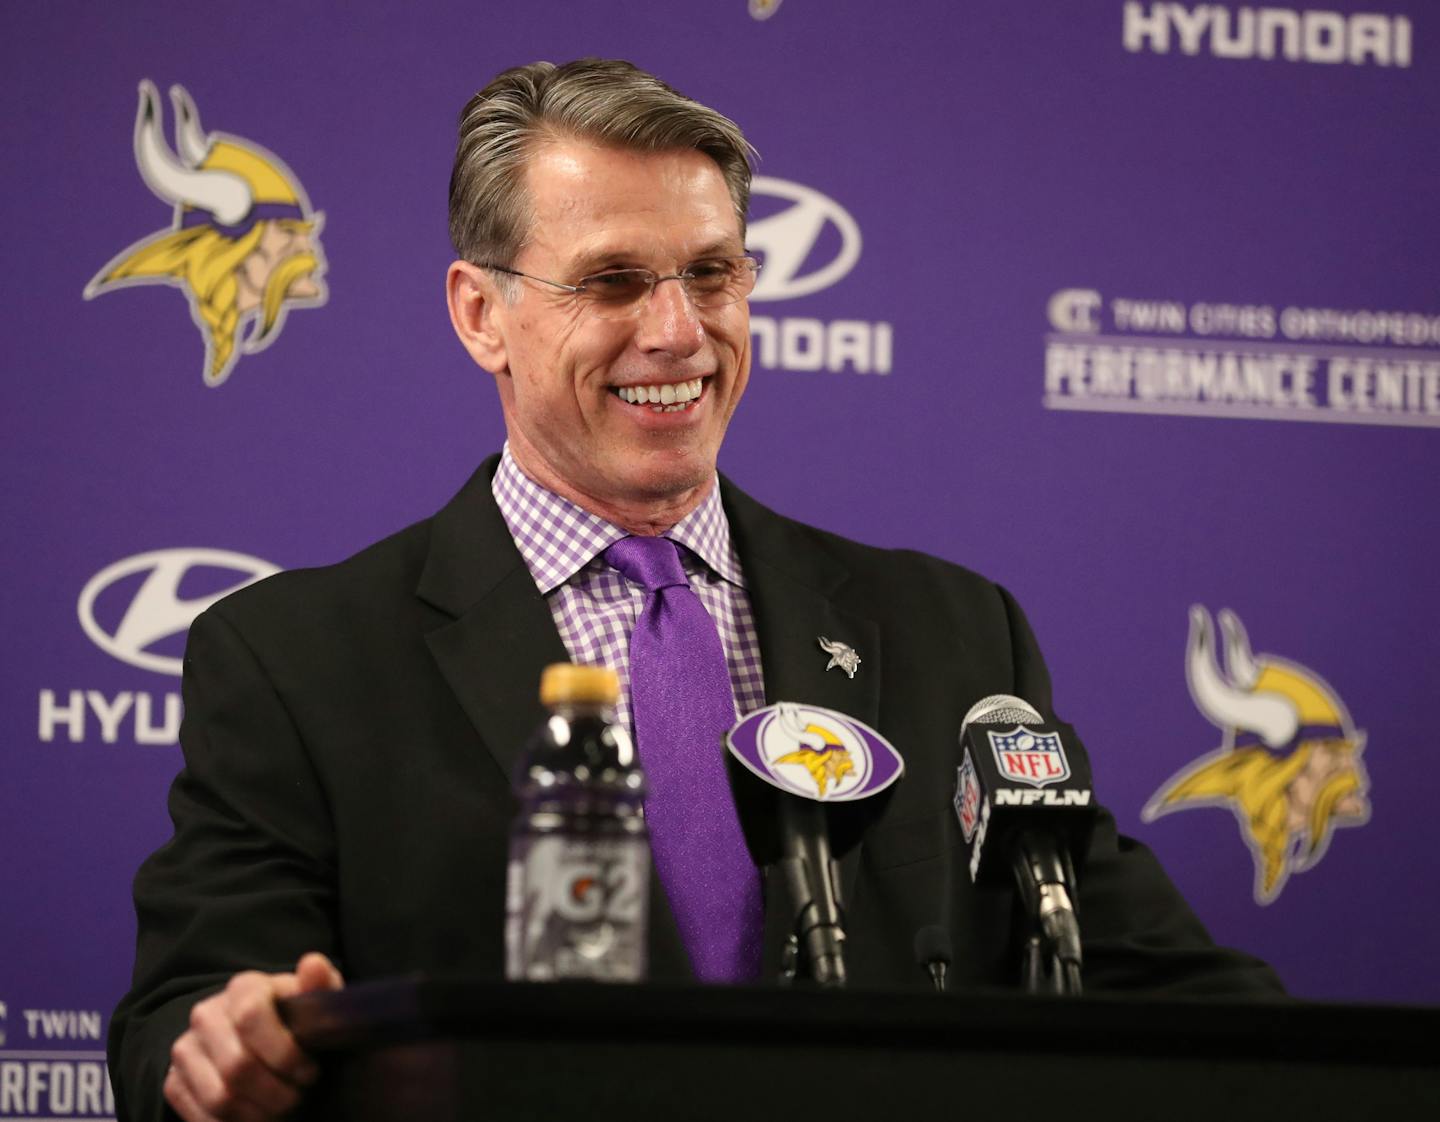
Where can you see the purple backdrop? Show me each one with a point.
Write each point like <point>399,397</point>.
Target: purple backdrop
<point>1121,304</point>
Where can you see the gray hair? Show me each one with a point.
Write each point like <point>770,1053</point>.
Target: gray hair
<point>604,100</point>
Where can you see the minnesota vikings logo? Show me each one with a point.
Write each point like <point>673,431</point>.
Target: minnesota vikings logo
<point>243,245</point>
<point>815,753</point>
<point>841,654</point>
<point>820,751</point>
<point>1289,763</point>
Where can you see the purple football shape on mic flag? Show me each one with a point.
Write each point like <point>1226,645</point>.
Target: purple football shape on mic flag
<point>815,753</point>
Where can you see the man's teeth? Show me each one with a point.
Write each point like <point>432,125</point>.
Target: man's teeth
<point>668,399</point>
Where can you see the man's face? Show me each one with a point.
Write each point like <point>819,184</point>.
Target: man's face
<point>594,209</point>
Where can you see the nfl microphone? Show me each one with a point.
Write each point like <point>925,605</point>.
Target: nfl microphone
<point>1026,809</point>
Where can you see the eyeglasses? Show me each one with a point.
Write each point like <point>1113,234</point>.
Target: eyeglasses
<point>710,283</point>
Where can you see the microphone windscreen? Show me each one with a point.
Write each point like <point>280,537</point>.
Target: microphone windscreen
<point>999,709</point>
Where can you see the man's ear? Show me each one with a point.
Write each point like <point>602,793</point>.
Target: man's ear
<point>474,301</point>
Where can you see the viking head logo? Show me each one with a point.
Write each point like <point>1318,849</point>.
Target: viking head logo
<point>1289,761</point>
<point>842,655</point>
<point>243,245</point>
<point>819,751</point>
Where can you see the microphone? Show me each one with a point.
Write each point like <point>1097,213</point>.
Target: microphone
<point>1026,809</point>
<point>821,773</point>
<point>812,877</point>
<point>933,954</point>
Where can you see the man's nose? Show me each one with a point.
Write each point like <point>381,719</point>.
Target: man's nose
<point>668,320</point>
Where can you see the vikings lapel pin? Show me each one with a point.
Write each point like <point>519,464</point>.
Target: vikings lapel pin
<point>841,654</point>
<point>815,753</point>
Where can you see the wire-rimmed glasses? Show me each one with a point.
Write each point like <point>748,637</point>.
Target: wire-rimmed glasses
<point>711,282</point>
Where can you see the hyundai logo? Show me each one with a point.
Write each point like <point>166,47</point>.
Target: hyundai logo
<point>156,610</point>
<point>788,238</point>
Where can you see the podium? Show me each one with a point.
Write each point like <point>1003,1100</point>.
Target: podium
<point>448,1049</point>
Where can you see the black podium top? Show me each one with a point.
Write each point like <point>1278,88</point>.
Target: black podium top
<point>456,1048</point>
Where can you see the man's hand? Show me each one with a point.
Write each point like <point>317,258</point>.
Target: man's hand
<point>237,1060</point>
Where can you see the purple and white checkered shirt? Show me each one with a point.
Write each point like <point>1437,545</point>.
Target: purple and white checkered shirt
<point>595,608</point>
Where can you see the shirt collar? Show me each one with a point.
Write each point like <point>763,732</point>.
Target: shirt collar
<point>557,538</point>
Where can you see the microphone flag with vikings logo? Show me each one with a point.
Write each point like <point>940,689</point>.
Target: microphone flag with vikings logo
<point>804,752</point>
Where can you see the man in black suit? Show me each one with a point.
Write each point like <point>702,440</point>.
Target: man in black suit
<point>350,732</point>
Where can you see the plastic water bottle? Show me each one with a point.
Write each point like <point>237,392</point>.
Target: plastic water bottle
<point>578,886</point>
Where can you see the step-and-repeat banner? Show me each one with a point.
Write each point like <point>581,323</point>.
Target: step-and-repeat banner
<point>1129,305</point>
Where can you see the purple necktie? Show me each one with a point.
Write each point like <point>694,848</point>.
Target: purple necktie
<point>681,704</point>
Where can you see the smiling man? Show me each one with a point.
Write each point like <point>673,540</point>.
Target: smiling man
<point>616,386</point>
<point>351,732</point>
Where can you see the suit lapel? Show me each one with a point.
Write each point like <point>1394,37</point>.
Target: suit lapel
<point>793,585</point>
<point>500,635</point>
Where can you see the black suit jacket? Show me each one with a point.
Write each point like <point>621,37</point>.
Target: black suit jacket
<point>350,734</point>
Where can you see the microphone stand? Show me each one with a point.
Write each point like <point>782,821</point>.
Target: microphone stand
<point>1052,949</point>
<point>812,878</point>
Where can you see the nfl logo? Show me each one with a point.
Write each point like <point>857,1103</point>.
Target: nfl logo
<point>1034,758</point>
<point>967,797</point>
